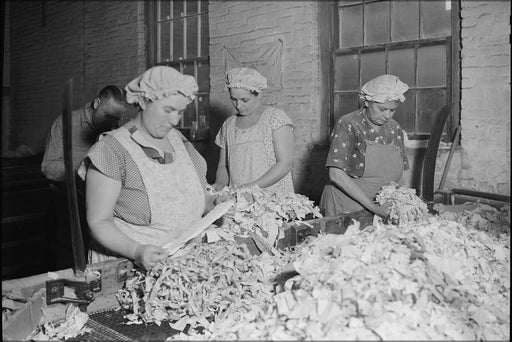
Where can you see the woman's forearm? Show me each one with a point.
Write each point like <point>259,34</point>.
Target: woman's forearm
<point>273,175</point>
<point>222,175</point>
<point>221,178</point>
<point>109,236</point>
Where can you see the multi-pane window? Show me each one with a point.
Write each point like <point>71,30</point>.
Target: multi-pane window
<point>180,38</point>
<point>409,39</point>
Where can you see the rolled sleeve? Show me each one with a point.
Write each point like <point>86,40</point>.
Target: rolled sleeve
<point>280,119</point>
<point>220,138</point>
<point>52,165</point>
<point>403,151</point>
<point>105,158</point>
<point>342,146</point>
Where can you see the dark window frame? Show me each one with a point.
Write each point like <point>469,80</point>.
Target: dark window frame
<point>152,21</point>
<point>452,64</point>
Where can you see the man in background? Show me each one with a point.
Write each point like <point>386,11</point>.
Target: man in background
<point>98,116</point>
<point>102,114</point>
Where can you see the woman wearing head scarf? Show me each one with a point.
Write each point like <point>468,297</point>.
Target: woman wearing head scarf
<point>256,144</point>
<point>367,150</point>
<point>142,187</point>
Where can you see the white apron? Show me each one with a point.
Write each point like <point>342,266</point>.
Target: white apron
<point>176,197</point>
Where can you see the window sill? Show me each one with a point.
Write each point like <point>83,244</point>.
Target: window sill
<point>422,144</point>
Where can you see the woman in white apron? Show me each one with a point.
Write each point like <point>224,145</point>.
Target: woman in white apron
<point>142,188</point>
<point>256,144</point>
<point>367,150</point>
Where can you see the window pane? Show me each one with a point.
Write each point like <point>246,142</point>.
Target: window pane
<point>430,101</point>
<point>377,23</point>
<point>164,9</point>
<point>401,64</point>
<point>405,114</point>
<point>404,20</point>
<point>203,77</point>
<point>205,38</point>
<point>204,5</point>
<point>188,69</point>
<point>204,106</point>
<point>435,19</point>
<point>372,65</point>
<point>192,6</point>
<point>432,66</point>
<point>164,43</point>
<point>351,26</point>
<point>346,73</point>
<point>192,37</point>
<point>348,2</point>
<point>344,104</point>
<point>189,115</point>
<point>177,9</point>
<point>177,39</point>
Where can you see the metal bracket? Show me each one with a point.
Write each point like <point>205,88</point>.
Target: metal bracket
<point>124,270</point>
<point>304,232</point>
<point>84,291</point>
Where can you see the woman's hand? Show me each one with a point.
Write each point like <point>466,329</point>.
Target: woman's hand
<point>227,198</point>
<point>148,255</point>
<point>381,210</point>
<point>218,186</point>
<point>223,198</point>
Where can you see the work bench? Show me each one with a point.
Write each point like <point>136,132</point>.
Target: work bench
<point>105,318</point>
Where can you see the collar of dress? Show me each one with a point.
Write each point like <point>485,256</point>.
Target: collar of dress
<point>149,149</point>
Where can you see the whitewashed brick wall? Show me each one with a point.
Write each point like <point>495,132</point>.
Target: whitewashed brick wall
<point>483,163</point>
<point>237,23</point>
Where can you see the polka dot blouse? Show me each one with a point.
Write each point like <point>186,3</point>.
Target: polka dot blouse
<point>348,142</point>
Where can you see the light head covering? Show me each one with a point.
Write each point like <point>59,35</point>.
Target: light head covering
<point>159,82</point>
<point>246,78</point>
<point>383,88</point>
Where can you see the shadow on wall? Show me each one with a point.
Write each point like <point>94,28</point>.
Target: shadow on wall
<point>313,176</point>
<point>208,149</point>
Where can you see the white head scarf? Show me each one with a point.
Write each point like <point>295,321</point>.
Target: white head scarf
<point>159,82</point>
<point>246,78</point>
<point>383,88</point>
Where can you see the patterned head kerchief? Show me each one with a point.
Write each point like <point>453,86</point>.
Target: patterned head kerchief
<point>159,82</point>
<point>383,88</point>
<point>246,78</point>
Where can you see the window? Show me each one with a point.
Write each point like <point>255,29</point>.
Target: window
<point>410,39</point>
<point>178,36</point>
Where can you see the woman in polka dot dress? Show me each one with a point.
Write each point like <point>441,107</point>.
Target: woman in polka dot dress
<point>367,150</point>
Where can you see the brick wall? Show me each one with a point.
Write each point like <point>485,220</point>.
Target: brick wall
<point>483,162</point>
<point>6,90</point>
<point>237,23</point>
<point>99,42</point>
<point>94,42</point>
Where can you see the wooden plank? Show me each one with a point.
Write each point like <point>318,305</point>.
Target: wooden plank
<point>429,162</point>
<point>23,218</point>
<point>21,324</point>
<point>35,240</point>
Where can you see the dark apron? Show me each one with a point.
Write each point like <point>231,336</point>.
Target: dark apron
<point>384,164</point>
